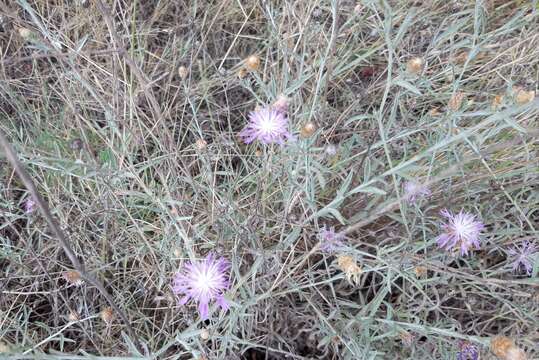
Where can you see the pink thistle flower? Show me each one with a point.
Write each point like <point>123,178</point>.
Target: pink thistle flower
<point>29,206</point>
<point>523,256</point>
<point>203,281</point>
<point>266,125</point>
<point>461,231</point>
<point>331,241</point>
<point>413,191</point>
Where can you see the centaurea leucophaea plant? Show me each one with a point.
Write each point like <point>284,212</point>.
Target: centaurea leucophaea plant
<point>266,125</point>
<point>413,191</point>
<point>203,281</point>
<point>461,231</point>
<point>331,241</point>
<point>523,256</point>
<point>29,206</point>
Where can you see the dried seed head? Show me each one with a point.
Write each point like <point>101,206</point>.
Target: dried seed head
<point>420,271</point>
<point>407,338</point>
<point>415,65</point>
<point>73,316</point>
<point>330,149</point>
<point>204,334</point>
<point>178,252</point>
<point>523,97</point>
<point>201,144</point>
<point>252,63</point>
<point>358,9</point>
<point>434,112</point>
<point>4,348</point>
<point>308,129</point>
<point>241,73</point>
<point>456,101</point>
<point>73,277</point>
<point>515,354</point>
<point>25,33</point>
<point>107,315</point>
<point>258,152</point>
<point>183,72</point>
<point>348,265</point>
<point>497,102</point>
<point>281,104</point>
<point>500,346</point>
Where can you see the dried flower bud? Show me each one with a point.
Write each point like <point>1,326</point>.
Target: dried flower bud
<point>523,97</point>
<point>330,150</point>
<point>25,33</point>
<point>407,338</point>
<point>241,73</point>
<point>204,334</point>
<point>201,144</point>
<point>258,152</point>
<point>73,316</point>
<point>73,277</point>
<point>505,349</point>
<point>348,266</point>
<point>456,101</point>
<point>358,9</point>
<point>420,271</point>
<point>252,63</point>
<point>434,112</point>
<point>497,102</point>
<point>415,65</point>
<point>107,315</point>
<point>183,72</point>
<point>308,129</point>
<point>281,104</point>
<point>4,348</point>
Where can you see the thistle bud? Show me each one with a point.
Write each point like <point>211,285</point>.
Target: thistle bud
<point>25,33</point>
<point>308,129</point>
<point>107,315</point>
<point>456,101</point>
<point>73,277</point>
<point>201,144</point>
<point>497,102</point>
<point>420,271</point>
<point>523,97</point>
<point>281,104</point>
<point>183,72</point>
<point>415,65</point>
<point>505,349</point>
<point>252,63</point>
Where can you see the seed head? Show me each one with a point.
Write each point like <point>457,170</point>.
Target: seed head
<point>523,97</point>
<point>252,63</point>
<point>183,72</point>
<point>497,102</point>
<point>201,144</point>
<point>348,266</point>
<point>415,65</point>
<point>25,33</point>
<point>420,271</point>
<point>308,129</point>
<point>281,104</point>
<point>73,277</point>
<point>73,316</point>
<point>107,315</point>
<point>456,101</point>
<point>505,349</point>
<point>204,334</point>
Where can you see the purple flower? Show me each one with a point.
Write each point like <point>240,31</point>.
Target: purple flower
<point>522,256</point>
<point>203,281</point>
<point>331,241</point>
<point>266,125</point>
<point>467,351</point>
<point>413,191</point>
<point>461,231</point>
<point>29,206</point>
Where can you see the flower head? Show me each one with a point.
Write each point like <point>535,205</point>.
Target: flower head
<point>461,231</point>
<point>523,255</point>
<point>413,191</point>
<point>203,281</point>
<point>331,241</point>
<point>349,267</point>
<point>266,125</point>
<point>29,205</point>
<point>467,351</point>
